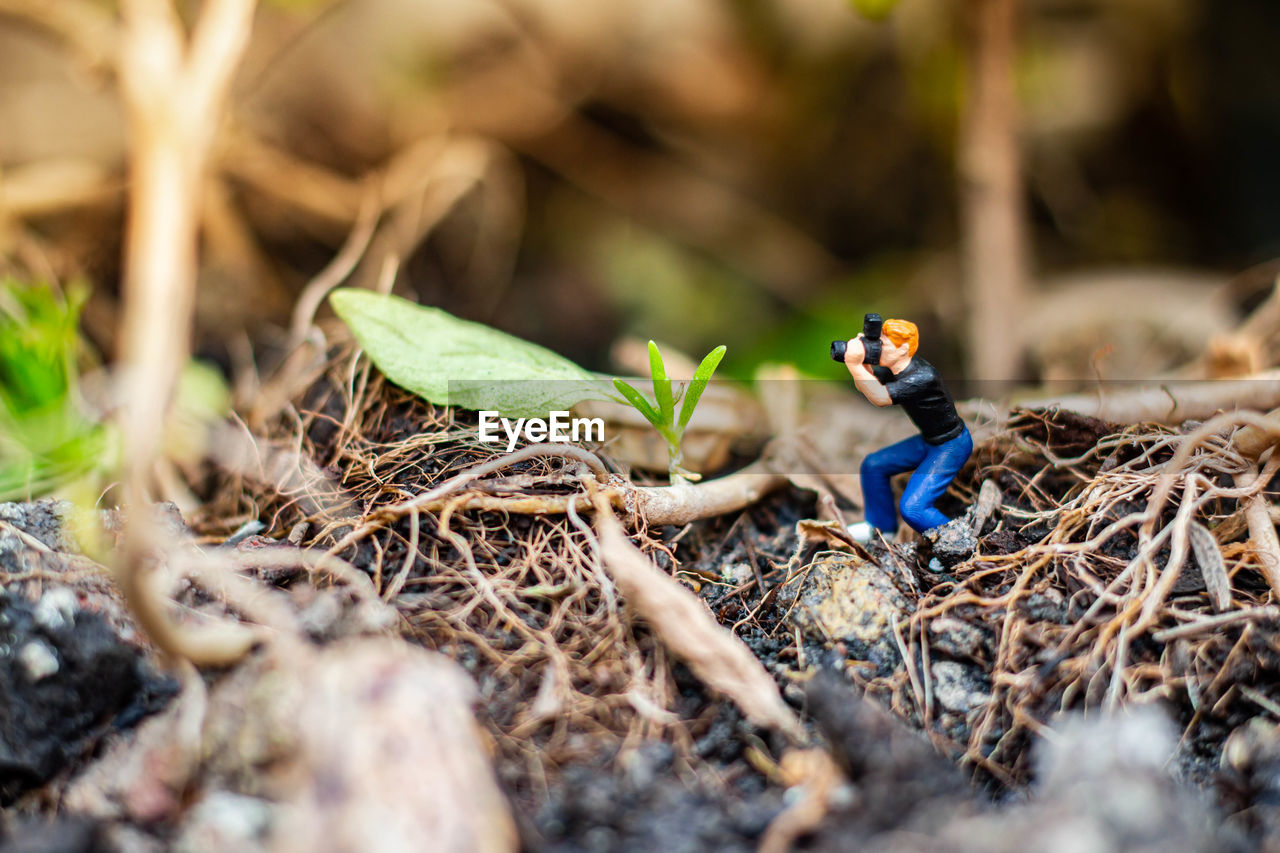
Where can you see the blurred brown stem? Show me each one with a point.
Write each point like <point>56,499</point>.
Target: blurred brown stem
<point>85,27</point>
<point>991,193</point>
<point>173,91</point>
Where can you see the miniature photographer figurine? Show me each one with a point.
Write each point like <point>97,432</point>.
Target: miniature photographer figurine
<point>884,368</point>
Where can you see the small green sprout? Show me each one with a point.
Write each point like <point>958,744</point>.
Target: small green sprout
<point>663,415</point>
<point>47,436</point>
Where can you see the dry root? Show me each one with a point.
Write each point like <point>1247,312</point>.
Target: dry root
<point>487,556</point>
<point>690,632</point>
<point>1103,584</point>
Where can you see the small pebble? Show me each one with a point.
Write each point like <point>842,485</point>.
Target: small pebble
<point>298,532</point>
<point>224,821</point>
<point>957,687</point>
<point>56,609</point>
<point>38,660</point>
<point>321,616</point>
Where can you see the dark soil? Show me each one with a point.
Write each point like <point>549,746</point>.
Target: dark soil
<point>66,679</point>
<point>643,804</point>
<point>903,782</point>
<point>66,835</point>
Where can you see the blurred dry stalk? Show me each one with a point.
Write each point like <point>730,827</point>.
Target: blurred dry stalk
<point>740,139</point>
<point>174,89</point>
<point>814,777</point>
<point>1171,402</point>
<point>528,96</point>
<point>991,194</point>
<point>88,30</point>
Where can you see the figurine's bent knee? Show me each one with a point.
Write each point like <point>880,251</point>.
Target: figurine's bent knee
<point>920,513</point>
<point>877,469</point>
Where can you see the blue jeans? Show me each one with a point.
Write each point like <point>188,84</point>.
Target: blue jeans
<point>935,467</point>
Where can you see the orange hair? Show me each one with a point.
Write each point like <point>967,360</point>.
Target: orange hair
<point>901,332</point>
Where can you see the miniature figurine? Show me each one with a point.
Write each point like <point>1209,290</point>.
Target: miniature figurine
<point>886,370</point>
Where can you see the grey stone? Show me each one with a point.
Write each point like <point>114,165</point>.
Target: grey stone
<point>38,660</point>
<point>956,638</point>
<point>951,543</point>
<point>1104,784</point>
<point>958,687</point>
<point>843,598</point>
<point>45,520</point>
<point>57,608</point>
<point>226,821</point>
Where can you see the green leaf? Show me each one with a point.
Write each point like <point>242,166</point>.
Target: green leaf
<point>701,377</point>
<point>456,362</point>
<point>661,385</point>
<point>637,399</point>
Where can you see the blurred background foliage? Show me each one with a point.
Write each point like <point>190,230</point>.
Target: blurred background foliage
<point>46,433</point>
<point>756,173</point>
<point>54,401</point>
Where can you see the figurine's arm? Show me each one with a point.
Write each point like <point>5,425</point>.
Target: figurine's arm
<point>863,379</point>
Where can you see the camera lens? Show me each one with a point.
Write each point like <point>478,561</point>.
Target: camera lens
<point>837,350</point>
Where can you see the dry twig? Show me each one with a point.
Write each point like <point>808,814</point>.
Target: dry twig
<point>173,89</point>
<point>689,630</point>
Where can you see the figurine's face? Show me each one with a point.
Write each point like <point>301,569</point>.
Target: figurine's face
<point>894,357</point>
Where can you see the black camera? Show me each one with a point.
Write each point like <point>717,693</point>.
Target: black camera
<point>871,326</point>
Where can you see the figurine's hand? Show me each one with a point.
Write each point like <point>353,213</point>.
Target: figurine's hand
<point>854,351</point>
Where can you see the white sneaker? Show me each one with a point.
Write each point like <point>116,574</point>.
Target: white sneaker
<point>862,532</point>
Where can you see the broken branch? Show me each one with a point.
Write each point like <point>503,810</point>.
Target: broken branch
<point>688,630</point>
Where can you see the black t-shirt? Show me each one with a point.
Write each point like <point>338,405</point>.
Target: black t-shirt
<point>921,394</point>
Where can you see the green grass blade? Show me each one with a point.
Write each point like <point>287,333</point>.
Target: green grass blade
<point>701,377</point>
<point>637,399</point>
<point>661,385</point>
